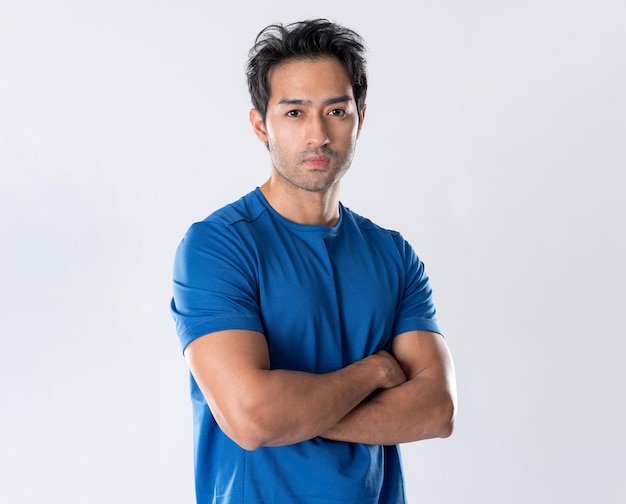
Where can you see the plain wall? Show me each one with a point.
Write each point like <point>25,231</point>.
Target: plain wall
<point>494,141</point>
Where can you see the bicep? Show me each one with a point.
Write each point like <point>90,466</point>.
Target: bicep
<point>423,353</point>
<point>214,284</point>
<point>226,365</point>
<point>431,384</point>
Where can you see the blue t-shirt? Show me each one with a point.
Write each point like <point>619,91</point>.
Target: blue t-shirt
<point>324,297</point>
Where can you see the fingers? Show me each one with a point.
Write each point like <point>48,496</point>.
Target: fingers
<point>395,373</point>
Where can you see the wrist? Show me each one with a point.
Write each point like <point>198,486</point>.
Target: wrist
<point>376,370</point>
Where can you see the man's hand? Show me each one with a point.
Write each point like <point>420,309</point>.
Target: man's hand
<point>394,374</point>
<point>421,406</point>
<point>258,406</point>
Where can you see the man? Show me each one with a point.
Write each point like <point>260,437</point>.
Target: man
<point>310,332</point>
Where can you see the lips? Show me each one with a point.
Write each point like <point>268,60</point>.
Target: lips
<point>317,162</point>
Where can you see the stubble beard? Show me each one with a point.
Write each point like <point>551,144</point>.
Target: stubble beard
<point>299,175</point>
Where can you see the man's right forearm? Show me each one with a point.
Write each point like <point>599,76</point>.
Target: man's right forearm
<point>256,406</point>
<point>290,407</point>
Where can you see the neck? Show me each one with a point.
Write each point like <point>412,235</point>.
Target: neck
<point>301,206</point>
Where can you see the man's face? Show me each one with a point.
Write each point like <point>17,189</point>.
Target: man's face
<point>312,123</point>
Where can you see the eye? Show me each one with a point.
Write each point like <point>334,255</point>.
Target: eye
<point>294,113</point>
<point>337,113</point>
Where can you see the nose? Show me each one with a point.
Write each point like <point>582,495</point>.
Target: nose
<point>317,131</point>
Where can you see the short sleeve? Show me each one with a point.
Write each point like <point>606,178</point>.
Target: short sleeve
<point>214,283</point>
<point>417,310</point>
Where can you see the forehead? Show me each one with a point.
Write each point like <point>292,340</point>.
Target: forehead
<point>299,78</point>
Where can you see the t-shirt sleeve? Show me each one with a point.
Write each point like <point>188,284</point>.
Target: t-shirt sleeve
<point>214,284</point>
<point>417,311</point>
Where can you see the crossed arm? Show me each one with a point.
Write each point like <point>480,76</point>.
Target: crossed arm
<point>381,399</point>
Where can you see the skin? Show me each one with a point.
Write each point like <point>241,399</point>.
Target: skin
<point>312,126</point>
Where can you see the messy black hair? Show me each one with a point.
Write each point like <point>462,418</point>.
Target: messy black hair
<point>305,40</point>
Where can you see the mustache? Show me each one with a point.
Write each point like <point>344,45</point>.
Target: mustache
<point>320,151</point>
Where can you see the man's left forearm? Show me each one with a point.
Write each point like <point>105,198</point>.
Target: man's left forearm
<point>423,407</point>
<point>417,409</point>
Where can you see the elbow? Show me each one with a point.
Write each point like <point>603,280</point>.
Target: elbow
<point>247,442</point>
<point>245,436</point>
<point>244,429</point>
<point>447,417</point>
<point>245,432</point>
<point>446,429</point>
<point>242,434</point>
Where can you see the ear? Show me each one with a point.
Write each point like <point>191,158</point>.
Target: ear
<point>258,126</point>
<point>361,120</point>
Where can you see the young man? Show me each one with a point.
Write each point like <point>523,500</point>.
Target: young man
<point>310,332</point>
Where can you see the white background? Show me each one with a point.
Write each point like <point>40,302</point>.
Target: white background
<point>495,141</point>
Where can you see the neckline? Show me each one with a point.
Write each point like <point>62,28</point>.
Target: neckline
<point>308,228</point>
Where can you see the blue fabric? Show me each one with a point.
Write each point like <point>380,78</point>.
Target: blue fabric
<point>324,297</point>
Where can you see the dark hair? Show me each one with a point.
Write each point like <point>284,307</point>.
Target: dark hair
<point>305,39</point>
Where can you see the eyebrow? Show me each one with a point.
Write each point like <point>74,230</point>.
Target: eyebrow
<point>329,101</point>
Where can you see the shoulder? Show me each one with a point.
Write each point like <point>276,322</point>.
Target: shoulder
<point>373,230</point>
<point>247,209</point>
<point>222,234</point>
<point>380,237</point>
